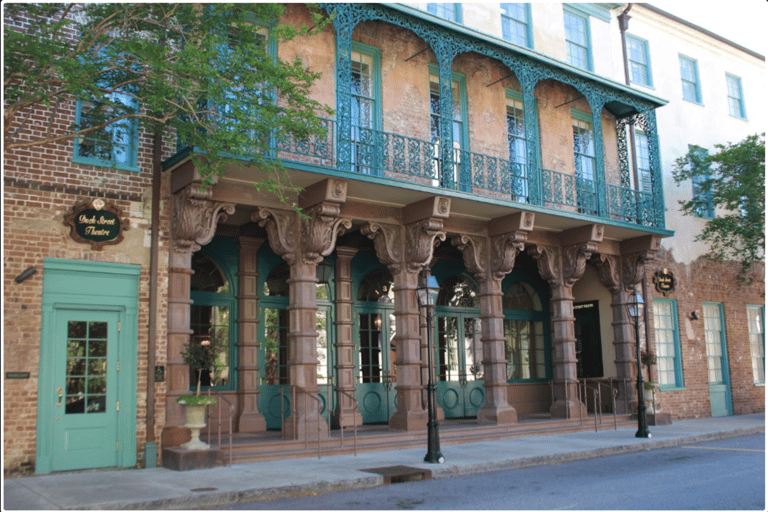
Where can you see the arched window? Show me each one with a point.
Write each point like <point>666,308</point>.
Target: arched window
<point>459,291</point>
<point>211,319</point>
<point>276,284</point>
<point>377,287</point>
<point>526,333</point>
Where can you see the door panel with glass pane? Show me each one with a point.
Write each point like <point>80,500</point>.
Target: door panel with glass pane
<point>458,365</point>
<point>717,361</point>
<point>86,410</point>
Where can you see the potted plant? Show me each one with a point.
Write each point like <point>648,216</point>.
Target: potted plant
<point>199,356</point>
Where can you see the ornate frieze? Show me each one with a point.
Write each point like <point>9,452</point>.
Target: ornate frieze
<point>195,217</point>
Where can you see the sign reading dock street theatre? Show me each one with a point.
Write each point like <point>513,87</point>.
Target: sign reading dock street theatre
<point>664,280</point>
<point>96,223</point>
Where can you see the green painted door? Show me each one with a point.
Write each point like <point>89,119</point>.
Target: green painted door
<point>458,359</point>
<point>274,388</point>
<point>717,361</point>
<point>86,408</point>
<point>374,388</point>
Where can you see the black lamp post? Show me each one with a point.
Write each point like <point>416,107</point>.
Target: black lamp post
<point>427,293</point>
<point>635,308</point>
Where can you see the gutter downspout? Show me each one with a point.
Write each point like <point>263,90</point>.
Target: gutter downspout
<point>623,19</point>
<point>150,447</point>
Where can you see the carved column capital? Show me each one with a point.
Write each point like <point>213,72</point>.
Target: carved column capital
<point>195,217</point>
<point>320,230</point>
<point>504,250</point>
<point>388,243</point>
<point>282,231</point>
<point>607,267</point>
<point>575,261</point>
<point>547,259</point>
<point>475,252</point>
<point>633,268</point>
<point>421,239</point>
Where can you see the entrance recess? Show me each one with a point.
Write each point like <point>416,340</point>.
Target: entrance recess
<point>87,393</point>
<point>717,361</point>
<point>458,357</point>
<point>589,348</point>
<point>375,371</point>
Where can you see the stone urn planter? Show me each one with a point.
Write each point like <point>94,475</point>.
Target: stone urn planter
<point>196,407</point>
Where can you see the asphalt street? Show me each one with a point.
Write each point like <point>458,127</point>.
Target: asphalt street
<point>728,474</point>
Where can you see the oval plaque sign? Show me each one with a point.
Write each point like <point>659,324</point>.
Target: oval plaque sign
<point>664,280</point>
<point>96,223</point>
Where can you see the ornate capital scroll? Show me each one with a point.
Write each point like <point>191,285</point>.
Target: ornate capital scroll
<point>575,261</point>
<point>504,250</point>
<point>195,217</point>
<point>546,257</point>
<point>282,231</point>
<point>421,239</point>
<point>388,243</point>
<point>633,268</point>
<point>320,230</point>
<point>475,252</point>
<point>607,267</point>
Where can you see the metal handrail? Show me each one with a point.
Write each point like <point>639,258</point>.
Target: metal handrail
<point>219,396</point>
<point>354,418</point>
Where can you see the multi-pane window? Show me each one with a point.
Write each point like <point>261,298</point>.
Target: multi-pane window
<point>577,39</point>
<point>365,108</point>
<point>668,361</point>
<point>707,210</point>
<point>517,144</point>
<point>735,97</point>
<point>713,339</point>
<point>639,61</point>
<point>450,178</point>
<point>516,24</point>
<point>448,11</point>
<point>584,160</point>
<point>116,144</point>
<point>756,327</point>
<point>689,74</point>
<point>643,155</point>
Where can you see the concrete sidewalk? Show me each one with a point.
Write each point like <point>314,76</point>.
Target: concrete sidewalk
<point>162,488</point>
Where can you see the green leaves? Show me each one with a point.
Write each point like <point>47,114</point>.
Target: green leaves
<point>733,179</point>
<point>210,73</point>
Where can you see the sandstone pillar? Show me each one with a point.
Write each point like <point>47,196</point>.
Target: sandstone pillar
<point>346,413</point>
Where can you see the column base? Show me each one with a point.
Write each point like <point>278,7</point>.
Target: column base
<point>348,418</point>
<point>251,422</point>
<point>409,420</point>
<point>569,410</point>
<point>307,428</point>
<point>496,415</point>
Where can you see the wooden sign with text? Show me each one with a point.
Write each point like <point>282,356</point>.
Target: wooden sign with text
<point>96,223</point>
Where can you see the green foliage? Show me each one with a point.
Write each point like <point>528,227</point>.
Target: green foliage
<point>203,71</point>
<point>733,178</point>
<point>201,357</point>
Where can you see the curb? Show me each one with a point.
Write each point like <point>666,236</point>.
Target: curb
<point>372,480</point>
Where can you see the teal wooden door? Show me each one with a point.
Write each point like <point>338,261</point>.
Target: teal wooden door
<point>374,389</point>
<point>274,388</point>
<point>458,358</point>
<point>86,408</point>
<point>717,361</point>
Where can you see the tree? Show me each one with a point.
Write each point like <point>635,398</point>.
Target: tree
<point>732,180</point>
<point>204,72</point>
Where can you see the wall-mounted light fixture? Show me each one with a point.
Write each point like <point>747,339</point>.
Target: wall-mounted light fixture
<point>29,272</point>
<point>693,315</point>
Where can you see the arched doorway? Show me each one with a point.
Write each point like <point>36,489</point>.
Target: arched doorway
<point>375,358</point>
<point>458,349</point>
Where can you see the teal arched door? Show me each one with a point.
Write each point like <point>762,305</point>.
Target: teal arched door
<point>374,353</point>
<point>458,349</point>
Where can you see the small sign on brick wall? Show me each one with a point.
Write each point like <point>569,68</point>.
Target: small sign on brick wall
<point>664,280</point>
<point>96,223</point>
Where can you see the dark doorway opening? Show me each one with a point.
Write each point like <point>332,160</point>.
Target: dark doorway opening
<point>589,348</point>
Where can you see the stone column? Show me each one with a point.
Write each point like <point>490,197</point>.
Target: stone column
<point>490,259</point>
<point>250,419</point>
<point>347,414</point>
<point>303,242</point>
<point>422,231</point>
<point>194,225</point>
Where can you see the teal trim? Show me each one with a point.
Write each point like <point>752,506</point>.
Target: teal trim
<point>226,254</point>
<point>508,20</point>
<point>581,115</point>
<point>594,10</point>
<point>573,37</point>
<point>132,146</point>
<point>642,61</point>
<point>721,400</point>
<point>670,324</point>
<point>464,142</point>
<point>757,342</point>
<point>82,287</point>
<point>691,78</point>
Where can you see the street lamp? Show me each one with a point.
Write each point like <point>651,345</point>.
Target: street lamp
<point>427,292</point>
<point>635,308</point>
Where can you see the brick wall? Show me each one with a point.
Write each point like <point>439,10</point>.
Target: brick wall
<point>704,280</point>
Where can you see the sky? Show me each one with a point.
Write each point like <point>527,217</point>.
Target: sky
<point>742,21</point>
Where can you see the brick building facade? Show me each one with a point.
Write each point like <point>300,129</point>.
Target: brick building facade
<point>515,251</point>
